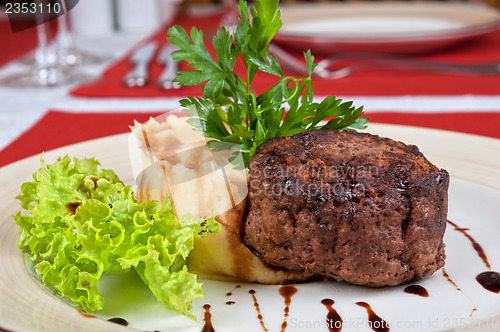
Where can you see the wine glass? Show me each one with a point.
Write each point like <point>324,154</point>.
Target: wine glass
<point>46,70</point>
<point>69,55</point>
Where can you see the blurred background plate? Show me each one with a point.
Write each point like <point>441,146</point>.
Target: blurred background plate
<point>384,27</point>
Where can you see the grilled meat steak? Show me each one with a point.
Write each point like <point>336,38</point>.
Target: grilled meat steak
<point>348,206</point>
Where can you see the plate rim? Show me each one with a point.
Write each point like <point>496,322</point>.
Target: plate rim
<point>401,38</point>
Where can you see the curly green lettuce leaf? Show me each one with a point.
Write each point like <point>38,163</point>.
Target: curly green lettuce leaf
<point>82,221</point>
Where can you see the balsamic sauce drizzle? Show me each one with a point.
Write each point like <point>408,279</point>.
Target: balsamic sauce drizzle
<point>208,327</point>
<point>231,292</point>
<point>257,308</point>
<point>333,319</point>
<point>87,315</point>
<point>376,323</point>
<point>449,279</point>
<point>287,292</point>
<point>475,245</point>
<point>490,280</point>
<point>72,207</point>
<point>445,274</point>
<point>118,320</point>
<point>416,290</point>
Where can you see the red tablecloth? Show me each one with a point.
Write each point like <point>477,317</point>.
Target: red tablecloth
<point>110,83</point>
<point>19,43</point>
<point>366,82</point>
<point>59,128</point>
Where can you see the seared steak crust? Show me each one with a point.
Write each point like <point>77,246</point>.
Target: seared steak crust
<point>348,206</point>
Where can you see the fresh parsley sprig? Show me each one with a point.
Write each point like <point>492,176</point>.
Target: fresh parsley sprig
<point>230,110</point>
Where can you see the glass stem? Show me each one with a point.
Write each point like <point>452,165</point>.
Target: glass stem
<point>65,42</point>
<point>46,72</point>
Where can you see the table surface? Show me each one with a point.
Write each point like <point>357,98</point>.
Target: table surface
<point>23,108</point>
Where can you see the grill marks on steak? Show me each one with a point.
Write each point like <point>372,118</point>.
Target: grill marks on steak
<point>349,206</point>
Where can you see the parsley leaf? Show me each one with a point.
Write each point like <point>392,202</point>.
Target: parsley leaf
<point>230,109</point>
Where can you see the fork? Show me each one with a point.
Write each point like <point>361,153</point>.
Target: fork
<point>165,81</point>
<point>335,66</point>
<point>140,59</point>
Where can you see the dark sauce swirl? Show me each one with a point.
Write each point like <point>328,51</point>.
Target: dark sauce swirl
<point>490,280</point>
<point>333,319</point>
<point>208,327</point>
<point>416,290</point>
<point>376,323</point>
<point>477,247</point>
<point>118,320</point>
<point>257,308</point>
<point>287,292</point>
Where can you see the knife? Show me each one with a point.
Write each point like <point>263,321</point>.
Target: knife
<point>141,59</point>
<point>171,67</point>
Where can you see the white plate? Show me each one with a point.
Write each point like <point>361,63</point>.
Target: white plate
<point>388,27</point>
<point>473,162</point>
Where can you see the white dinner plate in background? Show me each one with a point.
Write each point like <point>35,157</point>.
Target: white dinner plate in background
<point>388,27</point>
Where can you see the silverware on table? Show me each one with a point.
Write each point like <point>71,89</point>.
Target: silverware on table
<point>141,59</point>
<point>338,66</point>
<point>171,67</point>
